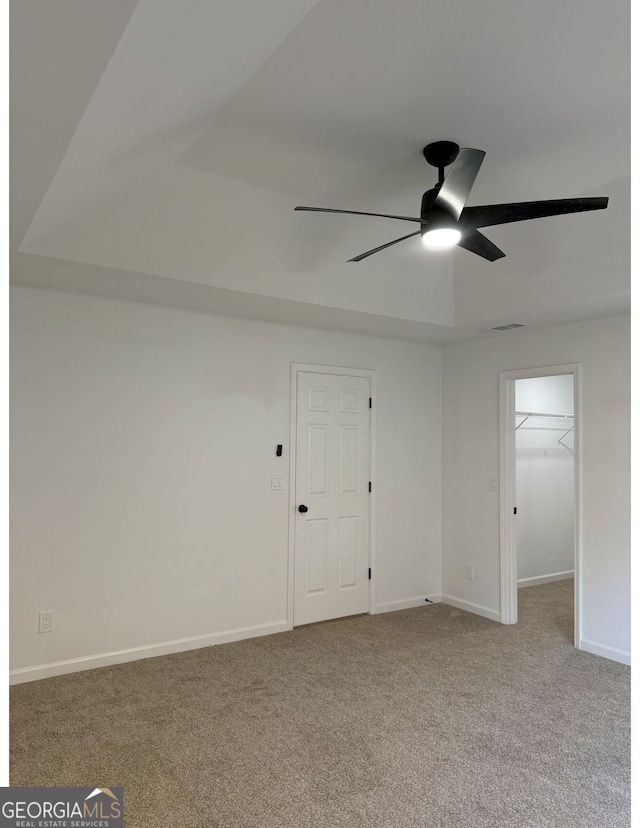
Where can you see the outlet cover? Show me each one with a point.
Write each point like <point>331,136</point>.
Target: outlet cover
<point>45,622</point>
<point>469,573</point>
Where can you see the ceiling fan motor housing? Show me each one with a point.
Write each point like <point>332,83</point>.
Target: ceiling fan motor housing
<point>428,200</point>
<point>434,216</point>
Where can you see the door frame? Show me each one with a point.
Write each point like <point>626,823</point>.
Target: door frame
<point>336,370</point>
<point>508,552</point>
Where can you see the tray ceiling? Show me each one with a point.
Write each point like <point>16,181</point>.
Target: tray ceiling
<point>172,141</point>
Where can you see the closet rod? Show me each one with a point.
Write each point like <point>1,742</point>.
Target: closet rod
<point>540,414</point>
<point>545,428</point>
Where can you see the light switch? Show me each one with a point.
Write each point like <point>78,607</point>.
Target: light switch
<point>277,482</point>
<point>493,483</point>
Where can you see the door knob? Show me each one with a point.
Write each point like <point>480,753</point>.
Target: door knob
<point>303,509</point>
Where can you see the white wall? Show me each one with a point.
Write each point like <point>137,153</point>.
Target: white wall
<point>143,444</point>
<point>471,452</point>
<point>550,395</point>
<point>544,480</point>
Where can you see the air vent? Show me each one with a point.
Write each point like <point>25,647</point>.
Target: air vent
<point>501,328</point>
<point>507,327</point>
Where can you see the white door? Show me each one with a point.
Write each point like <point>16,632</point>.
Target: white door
<point>332,497</point>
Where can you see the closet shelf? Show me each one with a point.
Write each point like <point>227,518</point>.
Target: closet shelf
<point>528,414</point>
<point>560,427</point>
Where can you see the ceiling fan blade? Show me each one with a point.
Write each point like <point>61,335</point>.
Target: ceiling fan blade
<point>382,247</point>
<point>492,214</point>
<point>356,213</point>
<point>475,242</point>
<point>454,192</point>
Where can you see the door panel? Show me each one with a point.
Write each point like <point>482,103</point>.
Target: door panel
<point>332,480</point>
<point>348,459</point>
<point>317,538</point>
<point>347,552</point>
<point>317,459</point>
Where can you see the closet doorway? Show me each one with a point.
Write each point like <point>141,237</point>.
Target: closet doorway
<point>539,502</point>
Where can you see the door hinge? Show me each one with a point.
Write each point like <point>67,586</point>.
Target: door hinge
<point>369,573</point>
<point>515,510</point>
<point>369,487</point>
<point>370,403</point>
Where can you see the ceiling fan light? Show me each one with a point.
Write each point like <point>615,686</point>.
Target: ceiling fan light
<point>441,237</point>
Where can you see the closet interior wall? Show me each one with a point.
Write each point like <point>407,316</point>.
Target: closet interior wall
<point>544,479</point>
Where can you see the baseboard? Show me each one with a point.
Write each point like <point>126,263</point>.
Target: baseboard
<point>537,580</point>
<point>408,603</point>
<point>468,606</point>
<point>179,645</point>
<point>603,650</point>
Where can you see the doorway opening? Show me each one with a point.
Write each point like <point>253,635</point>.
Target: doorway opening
<point>540,503</point>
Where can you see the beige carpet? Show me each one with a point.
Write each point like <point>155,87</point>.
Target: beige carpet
<point>426,717</point>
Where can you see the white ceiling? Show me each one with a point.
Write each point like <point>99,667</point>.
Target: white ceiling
<point>159,147</point>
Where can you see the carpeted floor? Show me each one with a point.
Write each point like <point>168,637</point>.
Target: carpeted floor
<point>426,717</point>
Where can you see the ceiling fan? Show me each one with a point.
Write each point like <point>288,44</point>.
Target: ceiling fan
<point>444,219</point>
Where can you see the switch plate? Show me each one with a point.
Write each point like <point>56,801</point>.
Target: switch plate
<point>277,482</point>
<point>469,573</point>
<point>493,483</point>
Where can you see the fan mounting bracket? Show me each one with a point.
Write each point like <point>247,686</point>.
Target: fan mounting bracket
<point>441,153</point>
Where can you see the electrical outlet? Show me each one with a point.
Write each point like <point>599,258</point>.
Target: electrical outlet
<point>469,573</point>
<point>46,622</point>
